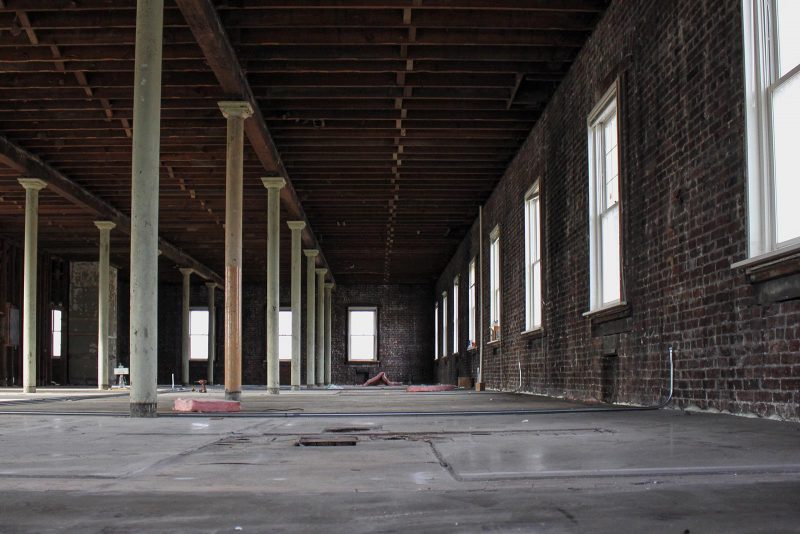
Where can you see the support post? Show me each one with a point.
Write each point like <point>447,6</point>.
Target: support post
<point>144,208</point>
<point>105,227</point>
<point>236,112</point>
<point>311,315</point>
<point>32,187</point>
<point>274,186</point>
<point>320,374</point>
<point>212,331</point>
<point>328,330</point>
<point>186,315</point>
<point>297,274</point>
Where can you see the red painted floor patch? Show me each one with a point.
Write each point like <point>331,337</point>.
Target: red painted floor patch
<point>205,406</point>
<point>422,389</point>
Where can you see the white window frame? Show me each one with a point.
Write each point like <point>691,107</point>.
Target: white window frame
<point>436,331</point>
<point>456,282</point>
<point>56,327</point>
<point>350,335</point>
<point>495,295</point>
<point>445,315</point>
<point>281,357</point>
<point>193,336</point>
<point>606,108</point>
<point>533,259</point>
<point>760,27</point>
<point>473,338</point>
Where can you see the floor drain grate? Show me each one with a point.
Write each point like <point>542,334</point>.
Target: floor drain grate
<point>337,441</point>
<point>348,429</point>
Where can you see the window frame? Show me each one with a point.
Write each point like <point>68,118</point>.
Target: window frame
<point>607,107</point>
<point>495,286</point>
<point>762,78</point>
<point>284,309</point>
<point>445,317</point>
<point>192,358</point>
<point>533,321</point>
<point>53,333</point>
<point>456,287</point>
<point>436,330</point>
<point>473,305</point>
<point>376,357</point>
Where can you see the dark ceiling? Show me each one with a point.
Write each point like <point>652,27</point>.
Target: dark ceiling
<point>393,119</point>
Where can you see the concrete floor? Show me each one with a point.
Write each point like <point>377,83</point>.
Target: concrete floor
<point>656,471</point>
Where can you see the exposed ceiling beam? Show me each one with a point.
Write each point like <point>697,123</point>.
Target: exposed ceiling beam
<point>203,20</point>
<point>27,164</point>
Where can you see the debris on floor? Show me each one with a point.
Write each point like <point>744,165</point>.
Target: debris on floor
<point>206,406</point>
<point>427,389</point>
<point>381,380</point>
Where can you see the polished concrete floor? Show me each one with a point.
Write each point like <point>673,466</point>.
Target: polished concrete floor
<point>614,471</point>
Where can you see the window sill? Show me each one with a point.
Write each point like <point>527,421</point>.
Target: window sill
<point>494,342</point>
<point>609,312</point>
<point>771,265</point>
<point>533,333</point>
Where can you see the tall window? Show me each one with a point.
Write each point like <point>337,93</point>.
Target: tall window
<point>363,334</point>
<point>436,331</point>
<point>455,316</point>
<point>473,339</point>
<point>604,222</point>
<point>533,263</point>
<point>772,78</point>
<point>494,284</point>
<point>198,335</point>
<point>444,323</point>
<point>56,325</point>
<point>285,335</point>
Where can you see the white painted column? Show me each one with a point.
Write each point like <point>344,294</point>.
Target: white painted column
<point>236,112</point>
<point>274,186</point>
<point>32,187</point>
<point>320,374</point>
<point>144,208</point>
<point>212,331</point>
<point>328,330</point>
<point>103,289</point>
<point>311,315</point>
<point>297,321</point>
<point>186,318</point>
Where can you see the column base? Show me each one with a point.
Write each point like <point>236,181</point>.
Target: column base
<point>295,388</point>
<point>273,391</point>
<point>320,384</point>
<point>29,389</point>
<point>104,387</point>
<point>144,409</point>
<point>310,386</point>
<point>233,395</point>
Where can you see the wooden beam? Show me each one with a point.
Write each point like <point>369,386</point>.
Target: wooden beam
<point>205,24</point>
<point>27,164</point>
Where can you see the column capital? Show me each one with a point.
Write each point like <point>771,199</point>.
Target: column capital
<point>186,271</point>
<point>211,285</point>
<point>329,285</point>
<point>32,183</point>
<point>240,109</point>
<point>296,225</point>
<point>321,272</point>
<point>105,225</point>
<point>311,252</point>
<point>273,181</point>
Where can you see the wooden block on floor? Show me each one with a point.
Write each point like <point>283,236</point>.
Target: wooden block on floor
<point>206,405</point>
<point>480,386</point>
<point>465,382</point>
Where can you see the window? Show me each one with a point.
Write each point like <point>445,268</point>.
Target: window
<point>455,316</point>
<point>533,260</point>
<point>363,328</point>
<point>56,326</point>
<point>604,206</point>
<point>494,284</point>
<point>285,335</point>
<point>473,338</point>
<point>198,335</point>
<point>444,323</point>
<point>436,331</point>
<point>772,78</point>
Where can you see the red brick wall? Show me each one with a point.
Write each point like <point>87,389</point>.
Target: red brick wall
<point>683,192</point>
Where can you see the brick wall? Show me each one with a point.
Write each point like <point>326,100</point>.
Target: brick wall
<point>683,194</point>
<point>405,332</point>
